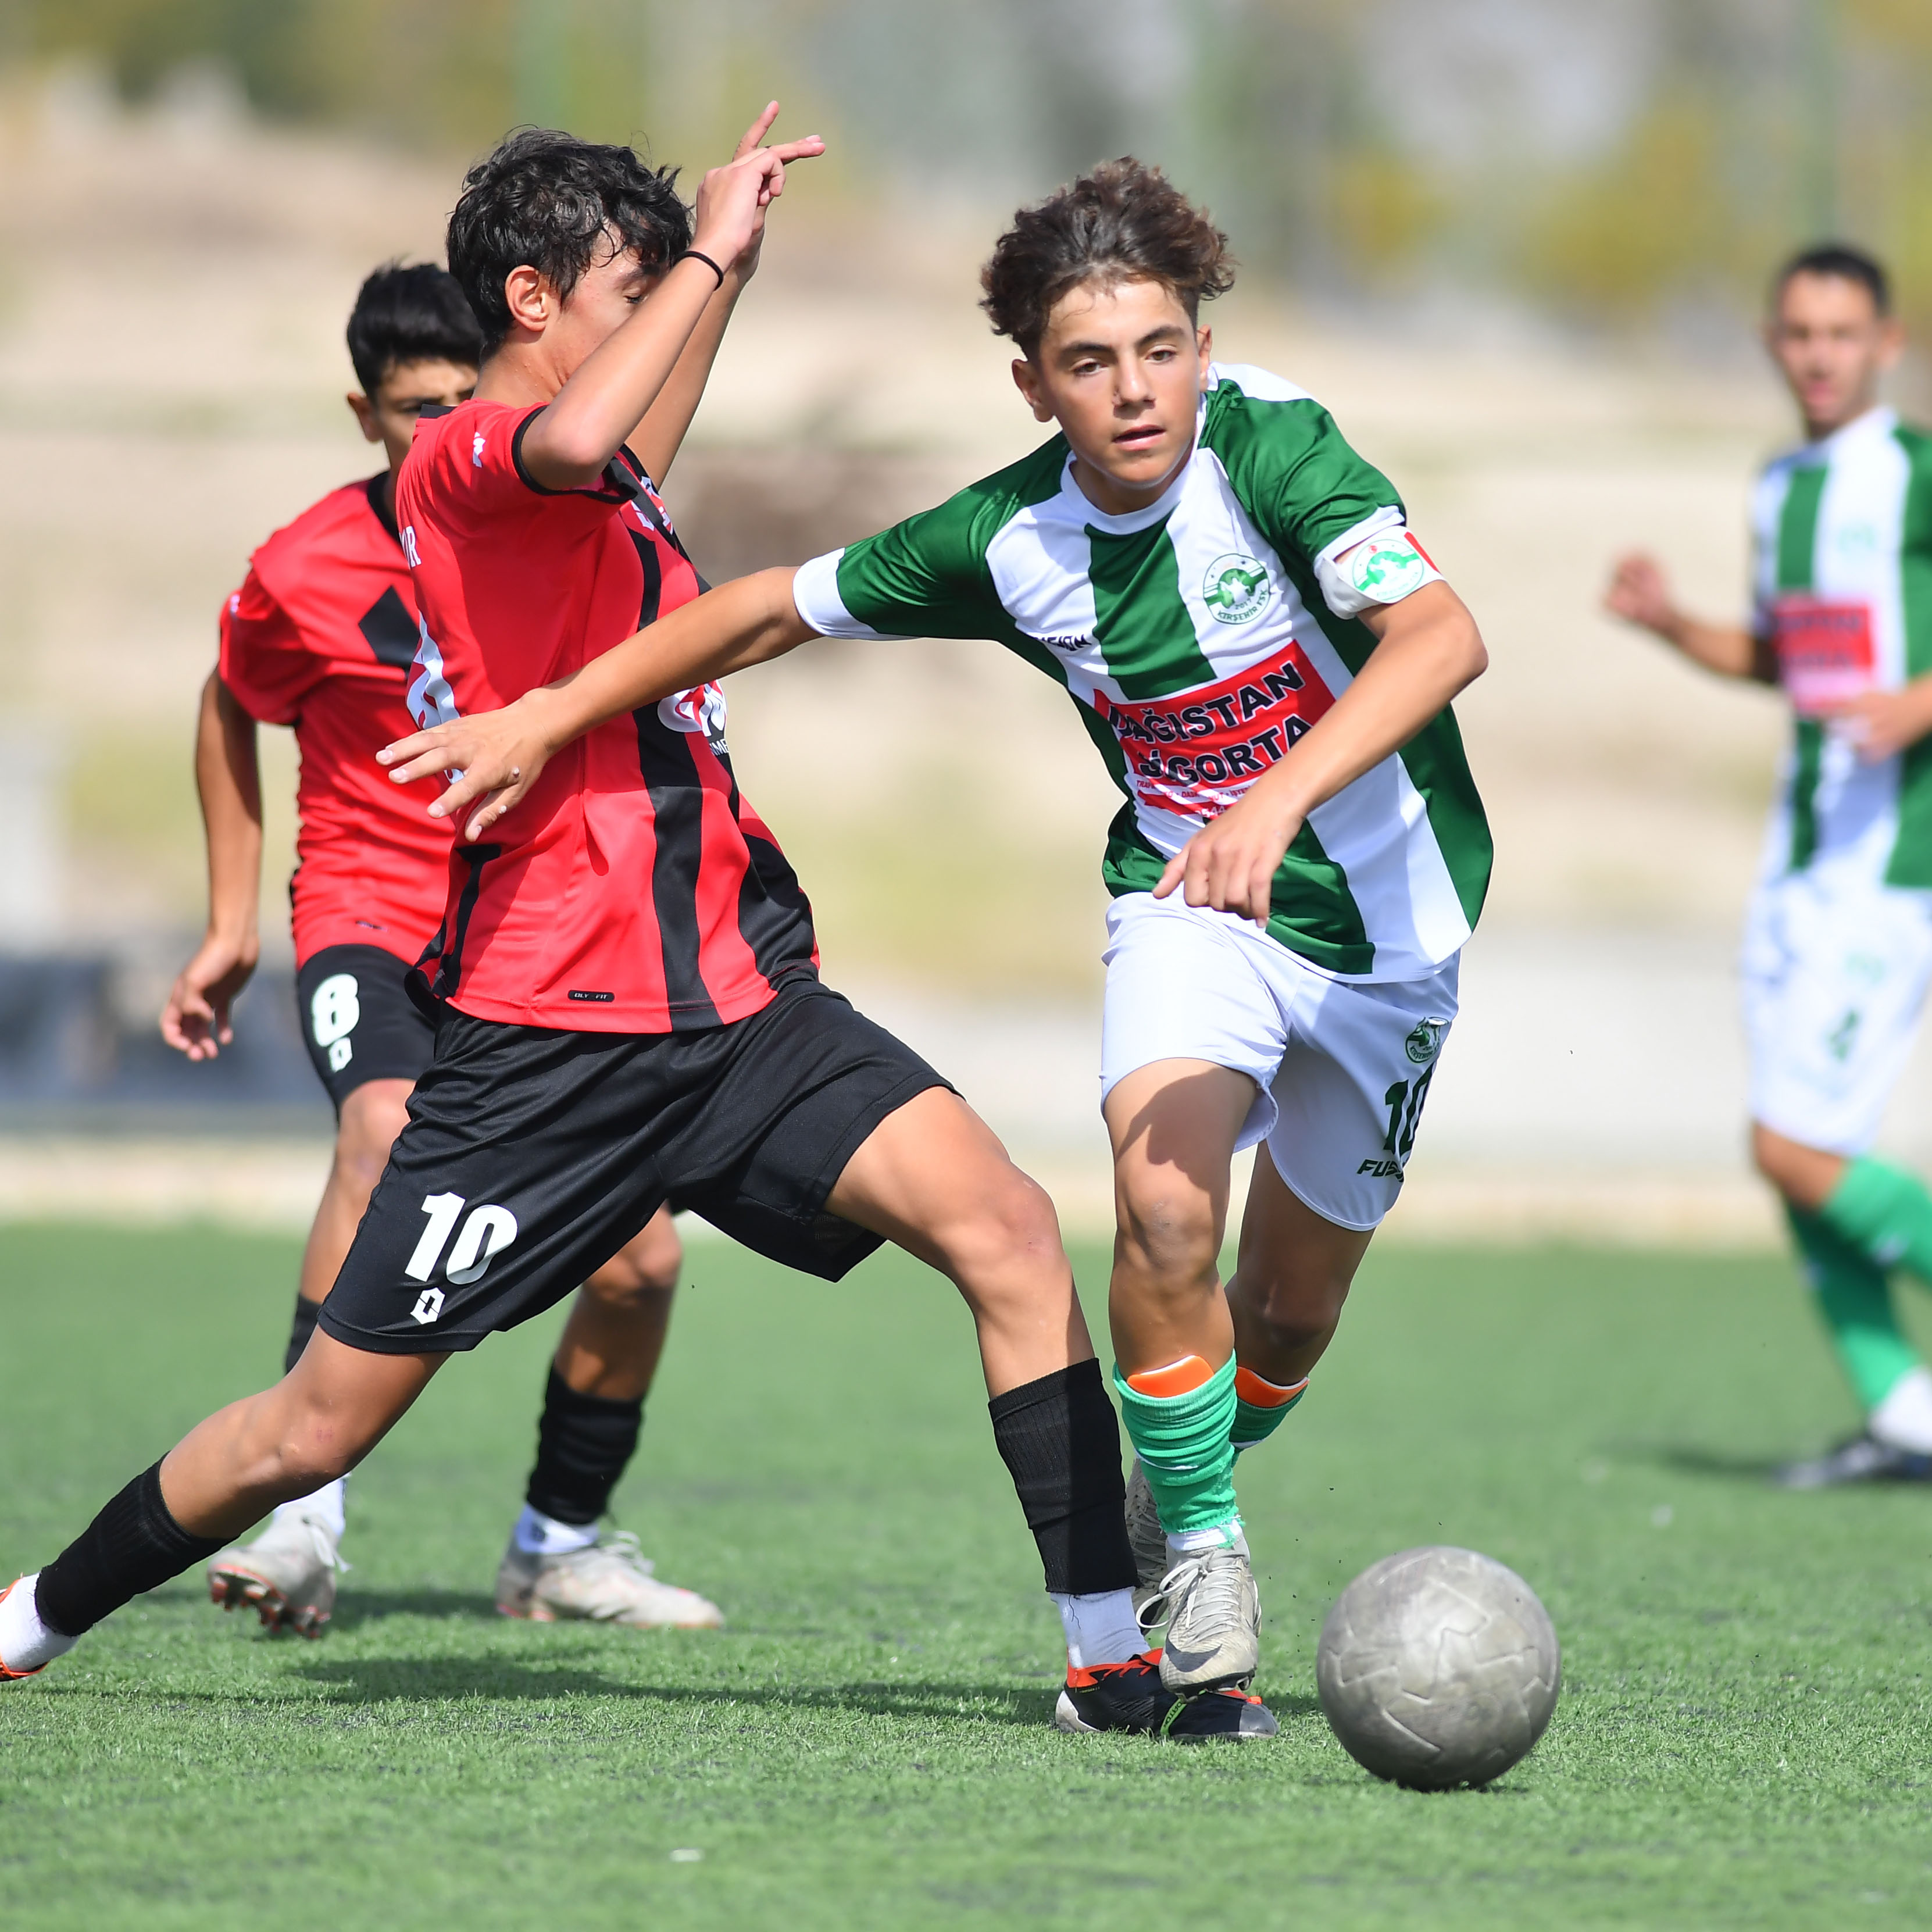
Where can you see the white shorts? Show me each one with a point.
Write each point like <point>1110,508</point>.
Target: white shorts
<point>1835,968</point>
<point>1341,1067</point>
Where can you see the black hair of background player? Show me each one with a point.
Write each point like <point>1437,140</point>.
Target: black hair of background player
<point>410,313</point>
<point>1845,261</point>
<point>1124,222</point>
<point>550,202</point>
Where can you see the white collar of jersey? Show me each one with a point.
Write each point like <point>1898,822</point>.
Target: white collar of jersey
<point>1881,419</point>
<point>1162,505</point>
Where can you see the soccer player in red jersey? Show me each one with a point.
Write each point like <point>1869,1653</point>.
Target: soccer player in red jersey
<point>321,636</point>
<point>632,1004</point>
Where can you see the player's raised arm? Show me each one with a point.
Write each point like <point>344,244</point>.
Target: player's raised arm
<point>656,363</point>
<point>500,754</point>
<point>1640,593</point>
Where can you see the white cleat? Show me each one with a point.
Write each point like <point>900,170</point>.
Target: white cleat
<point>286,1576</point>
<point>27,1646</point>
<point>1213,1612</point>
<point>607,1583</point>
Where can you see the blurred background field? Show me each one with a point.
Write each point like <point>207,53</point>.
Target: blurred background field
<point>1517,246</point>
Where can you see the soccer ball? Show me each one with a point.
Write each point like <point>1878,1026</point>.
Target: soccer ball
<point>1437,1667</point>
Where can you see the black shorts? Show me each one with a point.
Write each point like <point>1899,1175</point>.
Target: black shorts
<point>358,1022</point>
<point>533,1155</point>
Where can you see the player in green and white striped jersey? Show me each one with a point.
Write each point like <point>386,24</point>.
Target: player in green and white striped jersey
<point>1265,657</point>
<point>1838,948</point>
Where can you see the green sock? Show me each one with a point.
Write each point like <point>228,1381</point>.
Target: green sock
<point>1885,1213</point>
<point>1255,1422</point>
<point>1854,1301</point>
<point>1182,1441</point>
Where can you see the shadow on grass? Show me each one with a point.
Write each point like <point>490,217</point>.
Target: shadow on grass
<point>359,1607</point>
<point>385,1679</point>
<point>1696,1459</point>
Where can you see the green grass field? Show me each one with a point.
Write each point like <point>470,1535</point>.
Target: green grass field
<point>1742,1738</point>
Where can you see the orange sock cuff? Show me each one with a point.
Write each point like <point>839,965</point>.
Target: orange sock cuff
<point>1260,1394</point>
<point>1180,1378</point>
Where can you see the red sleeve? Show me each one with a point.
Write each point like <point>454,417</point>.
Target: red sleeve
<point>265,662</point>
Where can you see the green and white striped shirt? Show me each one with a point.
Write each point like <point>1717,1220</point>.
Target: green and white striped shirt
<point>1843,539</point>
<point>1199,637</point>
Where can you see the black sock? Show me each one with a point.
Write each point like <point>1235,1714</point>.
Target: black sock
<point>134,1544</point>
<point>300,1330</point>
<point>1059,1438</point>
<point>583,1444</point>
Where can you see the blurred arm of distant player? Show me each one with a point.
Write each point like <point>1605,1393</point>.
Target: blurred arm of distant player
<point>1640,593</point>
<point>228,776</point>
<point>642,383</point>
<point>1881,723</point>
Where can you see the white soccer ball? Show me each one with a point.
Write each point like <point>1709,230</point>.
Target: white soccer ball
<point>1437,1667</point>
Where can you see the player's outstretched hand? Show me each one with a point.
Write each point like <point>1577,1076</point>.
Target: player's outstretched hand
<point>1640,593</point>
<point>196,1020</point>
<point>1231,865</point>
<point>496,756</point>
<point>732,200</point>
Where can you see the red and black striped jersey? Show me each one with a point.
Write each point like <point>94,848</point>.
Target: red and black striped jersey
<point>321,636</point>
<point>634,890</point>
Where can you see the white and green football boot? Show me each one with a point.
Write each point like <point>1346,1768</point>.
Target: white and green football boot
<point>608,1582</point>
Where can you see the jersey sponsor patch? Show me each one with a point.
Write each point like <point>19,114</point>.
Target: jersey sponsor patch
<point>1196,753</point>
<point>1825,652</point>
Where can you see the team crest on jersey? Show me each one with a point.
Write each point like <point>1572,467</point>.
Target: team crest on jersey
<point>1236,590</point>
<point>1424,1039</point>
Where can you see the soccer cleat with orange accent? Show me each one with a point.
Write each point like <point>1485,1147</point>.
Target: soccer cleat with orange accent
<point>1226,1713</point>
<point>1127,1696</point>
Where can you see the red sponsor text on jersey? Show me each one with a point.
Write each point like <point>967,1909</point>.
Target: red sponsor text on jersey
<point>634,890</point>
<point>1825,652</point>
<point>1196,752</point>
<point>320,636</point>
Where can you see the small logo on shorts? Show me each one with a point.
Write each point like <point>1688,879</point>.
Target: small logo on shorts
<point>429,1306</point>
<point>600,999</point>
<point>1236,588</point>
<point>1425,1040</point>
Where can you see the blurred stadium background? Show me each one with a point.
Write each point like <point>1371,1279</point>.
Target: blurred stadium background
<point>1516,245</point>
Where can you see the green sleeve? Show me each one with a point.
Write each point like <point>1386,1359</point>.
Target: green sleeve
<point>925,578</point>
<point>1293,471</point>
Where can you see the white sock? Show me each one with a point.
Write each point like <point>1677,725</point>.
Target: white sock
<point>1222,1536</point>
<point>25,1642</point>
<point>1904,1420</point>
<point>324,1506</point>
<point>1100,1627</point>
<point>540,1535</point>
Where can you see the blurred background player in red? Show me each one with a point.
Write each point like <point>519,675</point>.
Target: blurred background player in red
<point>322,636</point>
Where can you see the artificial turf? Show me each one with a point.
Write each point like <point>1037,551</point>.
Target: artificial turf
<point>1742,1738</point>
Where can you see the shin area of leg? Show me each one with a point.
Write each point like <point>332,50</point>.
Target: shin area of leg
<point>317,1422</point>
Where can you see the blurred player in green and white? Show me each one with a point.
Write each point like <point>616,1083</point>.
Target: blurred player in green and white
<point>1838,946</point>
<point>1264,658</point>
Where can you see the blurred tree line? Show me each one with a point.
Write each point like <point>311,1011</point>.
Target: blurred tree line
<point>1610,162</point>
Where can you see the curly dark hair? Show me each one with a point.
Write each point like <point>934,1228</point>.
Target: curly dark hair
<point>1125,222</point>
<point>548,201</point>
<point>409,312</point>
